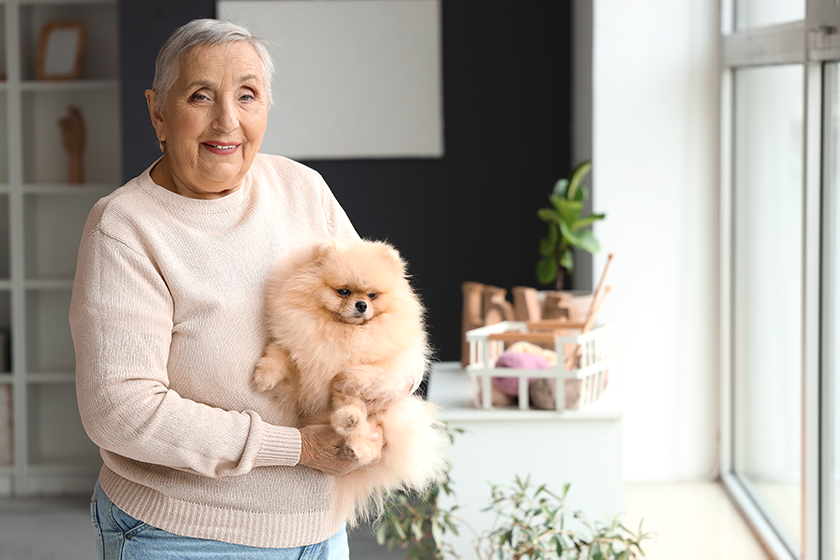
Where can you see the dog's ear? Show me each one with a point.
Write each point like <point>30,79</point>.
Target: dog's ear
<point>390,254</point>
<point>323,250</point>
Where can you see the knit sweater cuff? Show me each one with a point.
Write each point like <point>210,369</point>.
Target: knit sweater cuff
<point>280,447</point>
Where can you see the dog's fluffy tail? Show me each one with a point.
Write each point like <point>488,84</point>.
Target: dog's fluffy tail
<point>414,457</point>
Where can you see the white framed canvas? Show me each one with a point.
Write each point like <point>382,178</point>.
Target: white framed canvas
<point>355,78</point>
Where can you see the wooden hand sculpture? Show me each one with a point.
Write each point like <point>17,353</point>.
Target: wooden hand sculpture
<point>73,135</point>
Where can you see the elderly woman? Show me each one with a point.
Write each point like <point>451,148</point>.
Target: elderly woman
<point>166,322</point>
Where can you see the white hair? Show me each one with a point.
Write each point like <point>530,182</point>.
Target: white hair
<point>204,32</point>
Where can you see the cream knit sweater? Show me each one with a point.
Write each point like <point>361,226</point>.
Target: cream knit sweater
<point>166,322</point>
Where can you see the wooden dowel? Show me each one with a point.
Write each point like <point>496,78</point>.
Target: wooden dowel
<point>549,325</point>
<point>590,322</point>
<point>597,292</point>
<point>523,337</point>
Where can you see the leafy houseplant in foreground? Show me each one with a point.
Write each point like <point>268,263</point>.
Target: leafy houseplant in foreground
<point>418,524</point>
<point>566,228</point>
<point>534,523</point>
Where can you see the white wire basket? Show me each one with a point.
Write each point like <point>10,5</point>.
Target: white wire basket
<point>580,376</point>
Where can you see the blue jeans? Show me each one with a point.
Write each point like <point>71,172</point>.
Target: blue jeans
<point>121,537</point>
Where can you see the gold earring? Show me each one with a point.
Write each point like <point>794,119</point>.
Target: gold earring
<point>162,145</point>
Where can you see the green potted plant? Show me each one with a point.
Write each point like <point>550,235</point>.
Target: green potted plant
<point>532,523</point>
<point>566,228</point>
<point>535,523</point>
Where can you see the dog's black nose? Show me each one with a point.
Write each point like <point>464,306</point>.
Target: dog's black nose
<point>361,306</point>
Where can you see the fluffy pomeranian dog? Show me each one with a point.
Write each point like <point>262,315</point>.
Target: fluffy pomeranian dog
<point>347,340</point>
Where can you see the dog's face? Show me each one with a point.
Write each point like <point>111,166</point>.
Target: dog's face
<point>354,305</point>
<point>359,280</point>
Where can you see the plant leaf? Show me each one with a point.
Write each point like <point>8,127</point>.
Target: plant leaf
<point>398,528</point>
<point>560,188</point>
<point>548,244</point>
<point>581,194</point>
<point>437,532</point>
<point>577,176</point>
<point>549,215</point>
<point>588,221</point>
<point>417,529</point>
<point>569,210</point>
<point>547,269</point>
<point>558,546</point>
<point>587,241</point>
<point>380,533</point>
<point>568,236</point>
<point>567,261</point>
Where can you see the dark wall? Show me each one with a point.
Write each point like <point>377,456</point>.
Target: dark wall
<point>144,26</point>
<point>470,215</point>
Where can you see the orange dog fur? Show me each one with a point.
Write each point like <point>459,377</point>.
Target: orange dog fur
<point>347,342</point>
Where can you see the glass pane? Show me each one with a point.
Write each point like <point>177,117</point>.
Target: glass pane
<point>831,294</point>
<point>767,304</point>
<point>761,13</point>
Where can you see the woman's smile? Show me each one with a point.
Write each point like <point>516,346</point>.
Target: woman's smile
<point>222,148</point>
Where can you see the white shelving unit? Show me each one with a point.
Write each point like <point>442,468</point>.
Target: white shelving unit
<point>42,219</point>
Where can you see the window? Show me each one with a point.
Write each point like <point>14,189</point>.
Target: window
<point>761,13</point>
<point>780,282</point>
<point>767,288</point>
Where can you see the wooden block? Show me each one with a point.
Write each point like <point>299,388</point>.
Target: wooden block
<point>557,305</point>
<point>496,306</point>
<point>526,304</point>
<point>472,315</point>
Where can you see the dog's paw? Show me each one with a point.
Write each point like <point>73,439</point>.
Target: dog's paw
<point>359,381</point>
<point>349,418</point>
<point>362,450</point>
<point>266,377</point>
<point>346,387</point>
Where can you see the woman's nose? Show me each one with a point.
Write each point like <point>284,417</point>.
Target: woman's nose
<point>224,118</point>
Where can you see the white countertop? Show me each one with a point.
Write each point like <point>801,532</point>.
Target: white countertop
<point>451,389</point>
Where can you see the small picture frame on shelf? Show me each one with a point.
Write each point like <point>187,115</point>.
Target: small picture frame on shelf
<point>60,52</point>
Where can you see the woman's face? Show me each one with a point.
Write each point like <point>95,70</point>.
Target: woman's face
<point>213,121</point>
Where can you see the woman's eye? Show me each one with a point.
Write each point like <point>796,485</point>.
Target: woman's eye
<point>343,292</point>
<point>371,296</point>
<point>199,97</point>
<point>247,97</point>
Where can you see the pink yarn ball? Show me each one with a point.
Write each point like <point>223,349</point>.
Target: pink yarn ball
<point>510,385</point>
<point>507,385</point>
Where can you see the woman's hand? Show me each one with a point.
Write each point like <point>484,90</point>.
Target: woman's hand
<point>320,449</point>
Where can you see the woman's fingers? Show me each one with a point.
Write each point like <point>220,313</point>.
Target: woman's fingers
<point>321,449</point>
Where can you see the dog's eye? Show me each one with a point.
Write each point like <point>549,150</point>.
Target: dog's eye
<point>372,296</point>
<point>343,292</point>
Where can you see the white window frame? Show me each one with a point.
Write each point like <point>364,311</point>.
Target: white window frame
<point>810,42</point>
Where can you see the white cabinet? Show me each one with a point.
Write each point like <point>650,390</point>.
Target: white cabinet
<point>41,221</point>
